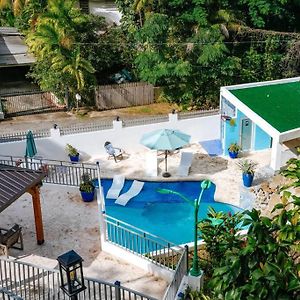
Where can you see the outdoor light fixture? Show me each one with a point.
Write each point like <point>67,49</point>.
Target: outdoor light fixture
<point>78,99</point>
<point>71,274</point>
<point>205,185</point>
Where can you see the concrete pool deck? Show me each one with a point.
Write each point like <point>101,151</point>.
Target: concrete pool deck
<point>70,223</point>
<point>220,170</point>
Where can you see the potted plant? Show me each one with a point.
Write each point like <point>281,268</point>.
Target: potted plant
<point>247,166</point>
<point>233,150</point>
<point>73,153</point>
<point>86,188</point>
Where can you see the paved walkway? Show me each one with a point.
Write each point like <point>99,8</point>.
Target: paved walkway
<point>69,224</point>
<point>72,224</point>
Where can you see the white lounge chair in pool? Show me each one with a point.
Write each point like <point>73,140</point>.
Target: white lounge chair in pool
<point>185,163</point>
<point>134,190</point>
<point>151,163</point>
<point>116,187</point>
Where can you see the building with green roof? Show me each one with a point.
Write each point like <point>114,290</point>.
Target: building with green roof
<point>262,115</point>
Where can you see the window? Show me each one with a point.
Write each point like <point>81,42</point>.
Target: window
<point>227,109</point>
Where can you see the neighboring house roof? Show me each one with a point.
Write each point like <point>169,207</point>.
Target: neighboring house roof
<point>272,105</point>
<point>13,51</point>
<point>278,104</point>
<point>14,182</point>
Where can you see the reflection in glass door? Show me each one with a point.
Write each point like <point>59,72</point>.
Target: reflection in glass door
<point>246,134</point>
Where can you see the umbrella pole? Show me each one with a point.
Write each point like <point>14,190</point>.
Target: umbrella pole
<point>166,173</point>
<point>166,161</point>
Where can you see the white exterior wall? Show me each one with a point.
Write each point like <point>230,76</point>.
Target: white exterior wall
<point>91,144</point>
<point>278,157</point>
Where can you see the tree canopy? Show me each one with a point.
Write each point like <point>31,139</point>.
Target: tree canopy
<point>188,47</point>
<point>192,47</point>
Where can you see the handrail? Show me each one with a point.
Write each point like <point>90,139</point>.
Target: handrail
<point>180,272</point>
<point>57,172</point>
<point>18,279</point>
<point>38,159</point>
<point>142,232</point>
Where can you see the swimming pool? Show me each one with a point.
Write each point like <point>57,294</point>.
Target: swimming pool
<point>167,216</point>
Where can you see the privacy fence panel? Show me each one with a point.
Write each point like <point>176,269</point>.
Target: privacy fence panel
<point>29,103</point>
<point>124,95</point>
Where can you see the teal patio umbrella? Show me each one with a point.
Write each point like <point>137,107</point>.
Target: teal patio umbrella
<point>165,140</point>
<point>30,145</point>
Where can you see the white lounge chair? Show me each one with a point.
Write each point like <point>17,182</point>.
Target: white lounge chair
<point>116,187</point>
<point>134,190</point>
<point>151,163</point>
<point>185,163</point>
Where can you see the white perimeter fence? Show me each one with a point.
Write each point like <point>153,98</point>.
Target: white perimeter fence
<point>90,143</point>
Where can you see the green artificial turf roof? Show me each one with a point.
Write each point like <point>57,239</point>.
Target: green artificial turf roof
<point>278,104</point>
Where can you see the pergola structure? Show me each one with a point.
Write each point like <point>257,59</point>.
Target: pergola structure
<point>16,181</point>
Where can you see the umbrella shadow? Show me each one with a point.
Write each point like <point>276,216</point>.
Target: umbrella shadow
<point>205,164</point>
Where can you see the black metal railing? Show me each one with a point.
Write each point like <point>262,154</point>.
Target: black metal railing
<point>57,172</point>
<point>26,281</point>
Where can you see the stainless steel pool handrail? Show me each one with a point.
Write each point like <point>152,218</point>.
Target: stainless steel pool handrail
<point>142,232</point>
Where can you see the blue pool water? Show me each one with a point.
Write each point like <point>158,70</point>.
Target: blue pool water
<point>167,216</point>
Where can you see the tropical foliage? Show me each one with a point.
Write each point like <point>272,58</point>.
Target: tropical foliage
<point>73,50</point>
<point>188,47</point>
<point>193,47</point>
<point>264,264</point>
<point>60,67</point>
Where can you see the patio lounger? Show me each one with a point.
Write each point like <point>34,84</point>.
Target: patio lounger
<point>151,163</point>
<point>134,190</point>
<point>116,187</point>
<point>115,153</point>
<point>185,163</point>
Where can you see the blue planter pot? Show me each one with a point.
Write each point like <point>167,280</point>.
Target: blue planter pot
<point>87,197</point>
<point>233,154</point>
<point>74,158</point>
<point>247,179</point>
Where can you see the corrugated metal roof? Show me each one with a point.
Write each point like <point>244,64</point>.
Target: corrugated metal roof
<point>9,31</point>
<point>13,51</point>
<point>14,182</point>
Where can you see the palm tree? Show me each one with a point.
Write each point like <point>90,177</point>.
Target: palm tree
<point>64,13</point>
<point>75,66</point>
<point>140,6</point>
<point>16,5</point>
<point>48,38</point>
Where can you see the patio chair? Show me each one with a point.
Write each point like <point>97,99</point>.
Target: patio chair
<point>11,238</point>
<point>185,163</point>
<point>115,153</point>
<point>134,190</point>
<point>116,187</point>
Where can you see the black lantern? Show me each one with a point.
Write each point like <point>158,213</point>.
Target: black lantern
<point>71,275</point>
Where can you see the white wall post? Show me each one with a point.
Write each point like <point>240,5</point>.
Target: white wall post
<point>101,208</point>
<point>173,118</point>
<point>276,154</point>
<point>117,125</point>
<point>55,131</point>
